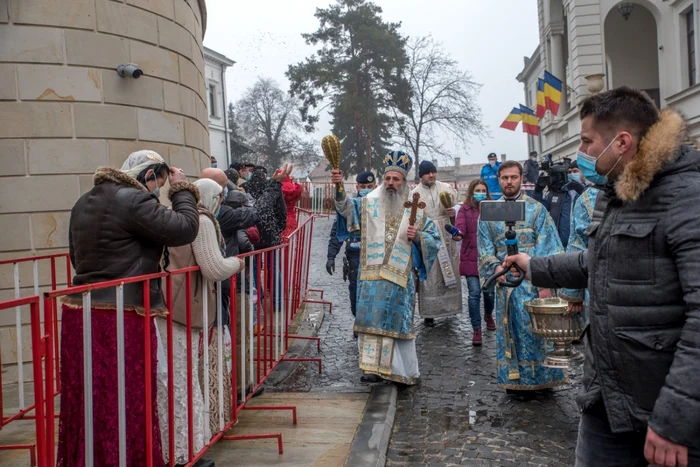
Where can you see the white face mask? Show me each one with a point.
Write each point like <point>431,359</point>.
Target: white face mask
<point>492,163</point>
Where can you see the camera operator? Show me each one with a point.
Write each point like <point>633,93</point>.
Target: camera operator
<point>562,191</point>
<point>641,386</point>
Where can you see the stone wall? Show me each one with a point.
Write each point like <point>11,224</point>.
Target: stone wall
<point>64,111</point>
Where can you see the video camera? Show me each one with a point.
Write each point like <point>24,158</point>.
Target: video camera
<point>554,174</point>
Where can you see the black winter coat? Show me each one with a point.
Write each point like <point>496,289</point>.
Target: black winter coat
<point>118,229</point>
<point>231,221</point>
<point>642,269</point>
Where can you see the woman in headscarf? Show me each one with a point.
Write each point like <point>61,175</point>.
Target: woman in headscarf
<point>119,229</point>
<point>206,251</point>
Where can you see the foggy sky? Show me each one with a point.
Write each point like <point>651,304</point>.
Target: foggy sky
<point>488,38</point>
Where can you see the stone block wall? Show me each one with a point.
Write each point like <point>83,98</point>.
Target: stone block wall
<point>64,111</point>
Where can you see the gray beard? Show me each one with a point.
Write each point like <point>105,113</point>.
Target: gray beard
<point>393,202</point>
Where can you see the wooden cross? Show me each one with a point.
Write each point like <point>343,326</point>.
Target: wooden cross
<point>414,205</point>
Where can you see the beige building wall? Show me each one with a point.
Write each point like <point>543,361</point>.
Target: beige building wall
<point>64,111</point>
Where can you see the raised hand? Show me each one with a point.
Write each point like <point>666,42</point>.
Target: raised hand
<point>176,175</point>
<point>337,176</point>
<point>281,174</point>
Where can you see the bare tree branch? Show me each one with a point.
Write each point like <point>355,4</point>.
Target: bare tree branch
<point>269,122</point>
<point>443,102</point>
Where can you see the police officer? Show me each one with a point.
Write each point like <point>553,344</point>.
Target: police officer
<point>365,182</point>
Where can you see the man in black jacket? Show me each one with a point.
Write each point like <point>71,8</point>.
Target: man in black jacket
<point>641,389</point>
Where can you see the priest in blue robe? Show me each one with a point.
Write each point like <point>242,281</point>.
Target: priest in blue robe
<point>519,353</point>
<point>392,249</point>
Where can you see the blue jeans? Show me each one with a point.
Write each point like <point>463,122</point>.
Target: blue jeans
<point>474,302</point>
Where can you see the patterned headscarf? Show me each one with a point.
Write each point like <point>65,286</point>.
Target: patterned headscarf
<point>140,160</point>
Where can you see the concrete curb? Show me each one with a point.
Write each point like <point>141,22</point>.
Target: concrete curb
<point>371,442</point>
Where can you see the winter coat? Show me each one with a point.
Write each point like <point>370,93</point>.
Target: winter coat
<point>205,252</point>
<point>467,223</point>
<point>231,221</point>
<point>118,229</point>
<point>490,176</point>
<point>292,193</point>
<point>530,171</point>
<point>272,214</point>
<point>643,275</point>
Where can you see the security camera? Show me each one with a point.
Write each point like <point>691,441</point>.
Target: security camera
<point>131,70</point>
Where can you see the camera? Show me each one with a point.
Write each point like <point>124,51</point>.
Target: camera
<point>131,70</point>
<point>554,174</point>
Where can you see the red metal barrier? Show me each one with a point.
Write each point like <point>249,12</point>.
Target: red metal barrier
<point>279,276</point>
<point>39,352</point>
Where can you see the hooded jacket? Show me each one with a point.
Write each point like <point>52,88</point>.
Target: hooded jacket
<point>643,275</point>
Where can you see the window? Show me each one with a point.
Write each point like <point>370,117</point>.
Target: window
<point>690,36</point>
<point>212,100</point>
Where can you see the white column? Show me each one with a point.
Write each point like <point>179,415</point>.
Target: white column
<point>559,67</point>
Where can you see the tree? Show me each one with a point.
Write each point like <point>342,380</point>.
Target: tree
<point>443,102</point>
<point>239,148</point>
<point>269,122</point>
<point>358,72</point>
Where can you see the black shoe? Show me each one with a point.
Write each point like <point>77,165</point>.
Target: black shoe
<point>354,334</point>
<point>429,322</point>
<point>249,389</point>
<point>370,379</point>
<point>200,463</point>
<point>521,395</point>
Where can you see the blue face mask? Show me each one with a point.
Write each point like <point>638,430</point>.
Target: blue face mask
<point>574,177</point>
<point>218,211</point>
<point>157,190</point>
<point>586,165</point>
<point>479,197</point>
<point>249,176</point>
<point>214,165</point>
<point>364,192</point>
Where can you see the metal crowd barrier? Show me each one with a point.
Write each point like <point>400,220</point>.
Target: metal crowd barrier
<point>265,297</point>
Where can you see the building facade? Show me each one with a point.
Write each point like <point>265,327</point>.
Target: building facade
<point>215,65</point>
<point>65,111</point>
<point>593,46</point>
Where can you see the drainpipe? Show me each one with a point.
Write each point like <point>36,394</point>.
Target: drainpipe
<point>227,140</point>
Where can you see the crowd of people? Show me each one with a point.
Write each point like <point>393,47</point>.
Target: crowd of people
<point>120,229</point>
<point>611,234</point>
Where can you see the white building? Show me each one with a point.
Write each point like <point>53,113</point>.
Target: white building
<point>215,65</point>
<point>649,45</point>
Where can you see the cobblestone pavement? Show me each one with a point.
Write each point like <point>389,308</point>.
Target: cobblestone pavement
<point>456,415</point>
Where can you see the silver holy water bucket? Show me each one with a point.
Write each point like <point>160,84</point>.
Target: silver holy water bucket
<point>552,322</point>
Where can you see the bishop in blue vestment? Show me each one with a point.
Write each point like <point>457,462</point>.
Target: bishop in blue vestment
<point>388,259</point>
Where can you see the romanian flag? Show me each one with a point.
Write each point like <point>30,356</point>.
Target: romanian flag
<point>541,106</point>
<point>512,120</point>
<point>552,92</point>
<point>531,125</point>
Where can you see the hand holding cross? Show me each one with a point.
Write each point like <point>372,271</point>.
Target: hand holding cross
<point>414,205</point>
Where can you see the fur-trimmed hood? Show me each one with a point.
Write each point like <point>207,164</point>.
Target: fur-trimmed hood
<point>657,150</point>
<point>110,174</point>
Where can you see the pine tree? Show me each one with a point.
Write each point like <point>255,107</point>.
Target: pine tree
<point>358,72</point>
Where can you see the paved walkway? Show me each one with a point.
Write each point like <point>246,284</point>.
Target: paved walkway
<point>457,415</point>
